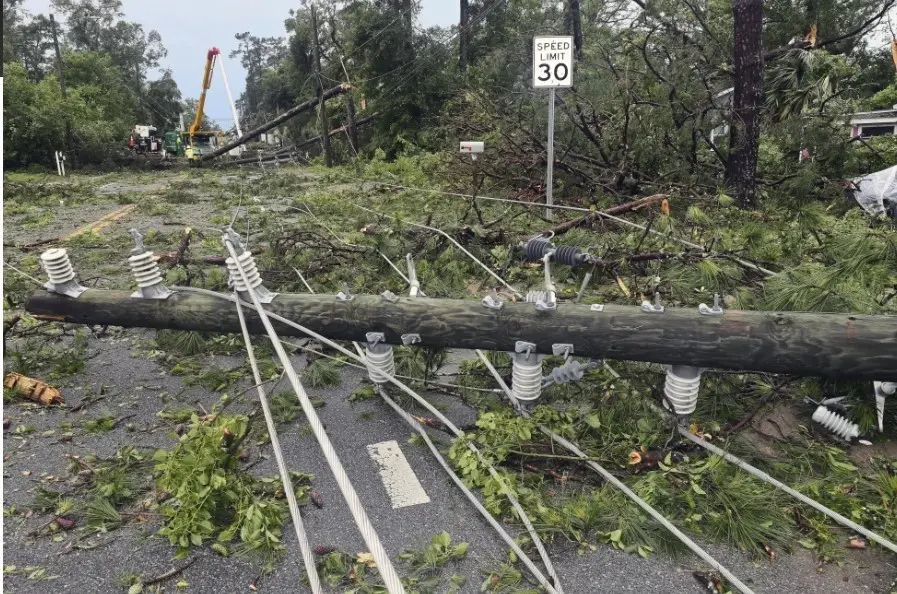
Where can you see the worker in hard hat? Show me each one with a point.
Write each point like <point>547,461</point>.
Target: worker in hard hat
<point>178,145</point>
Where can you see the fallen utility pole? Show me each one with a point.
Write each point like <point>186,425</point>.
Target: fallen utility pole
<point>846,346</point>
<point>287,151</point>
<point>287,115</point>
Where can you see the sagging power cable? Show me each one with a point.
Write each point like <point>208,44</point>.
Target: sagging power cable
<point>518,509</point>
<point>307,553</point>
<point>384,565</point>
<point>573,449</point>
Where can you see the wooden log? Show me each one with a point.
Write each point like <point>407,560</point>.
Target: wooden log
<point>846,346</point>
<point>290,113</point>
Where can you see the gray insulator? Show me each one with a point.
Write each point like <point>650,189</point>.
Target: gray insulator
<point>681,388</point>
<point>568,255</point>
<point>57,265</point>
<point>526,376</point>
<point>536,296</point>
<point>145,270</point>
<point>249,267</point>
<point>835,423</point>
<point>570,371</point>
<point>381,361</point>
<point>536,248</point>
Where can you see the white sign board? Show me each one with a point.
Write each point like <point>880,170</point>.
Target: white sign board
<point>552,62</point>
<point>472,146</point>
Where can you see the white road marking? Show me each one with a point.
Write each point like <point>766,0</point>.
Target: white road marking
<point>398,478</point>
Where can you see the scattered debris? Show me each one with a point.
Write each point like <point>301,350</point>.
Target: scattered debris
<point>33,389</point>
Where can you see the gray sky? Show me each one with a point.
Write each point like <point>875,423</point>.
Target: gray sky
<point>189,29</point>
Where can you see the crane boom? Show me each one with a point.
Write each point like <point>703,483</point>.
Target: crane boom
<point>211,57</point>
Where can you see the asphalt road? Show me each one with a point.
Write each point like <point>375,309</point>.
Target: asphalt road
<point>142,388</point>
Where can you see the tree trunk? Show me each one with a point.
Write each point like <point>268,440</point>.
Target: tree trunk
<point>351,124</point>
<point>322,109</point>
<point>744,132</point>
<point>463,39</point>
<point>575,29</point>
<point>849,346</point>
<point>290,113</point>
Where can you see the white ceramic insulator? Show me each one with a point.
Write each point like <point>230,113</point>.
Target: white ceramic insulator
<point>526,377</point>
<point>57,265</point>
<point>252,273</point>
<point>534,296</point>
<point>145,270</point>
<point>835,423</point>
<point>681,388</point>
<point>381,365</point>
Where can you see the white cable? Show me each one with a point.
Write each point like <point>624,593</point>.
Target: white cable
<point>597,213</point>
<point>468,493</point>
<point>384,565</point>
<point>572,448</point>
<point>521,514</point>
<point>307,554</point>
<point>753,470</point>
<point>649,510</point>
<point>447,236</point>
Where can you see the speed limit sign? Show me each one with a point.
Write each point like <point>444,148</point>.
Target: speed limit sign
<point>552,62</point>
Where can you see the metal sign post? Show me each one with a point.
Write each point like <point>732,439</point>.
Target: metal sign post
<point>552,68</point>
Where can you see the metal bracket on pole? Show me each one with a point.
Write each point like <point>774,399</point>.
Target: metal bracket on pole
<point>716,310</point>
<point>410,339</point>
<point>345,295</point>
<point>492,301</point>
<point>655,307</point>
<point>562,349</point>
<point>521,346</point>
<point>376,342</point>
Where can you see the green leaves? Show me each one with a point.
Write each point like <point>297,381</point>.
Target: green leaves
<point>208,487</point>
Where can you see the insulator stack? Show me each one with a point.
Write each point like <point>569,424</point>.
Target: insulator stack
<point>526,376</point>
<point>536,296</point>
<point>568,255</point>
<point>145,270</point>
<point>57,265</point>
<point>382,363</point>
<point>681,388</point>
<point>835,423</point>
<point>247,262</point>
<point>536,248</point>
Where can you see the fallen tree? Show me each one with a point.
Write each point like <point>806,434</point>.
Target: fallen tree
<point>287,115</point>
<point>847,346</point>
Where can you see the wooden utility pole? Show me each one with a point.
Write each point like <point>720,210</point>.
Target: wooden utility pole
<point>351,123</point>
<point>747,100</point>
<point>848,346</point>
<point>322,109</point>
<point>463,39</point>
<point>574,20</point>
<point>61,73</point>
<point>58,56</point>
